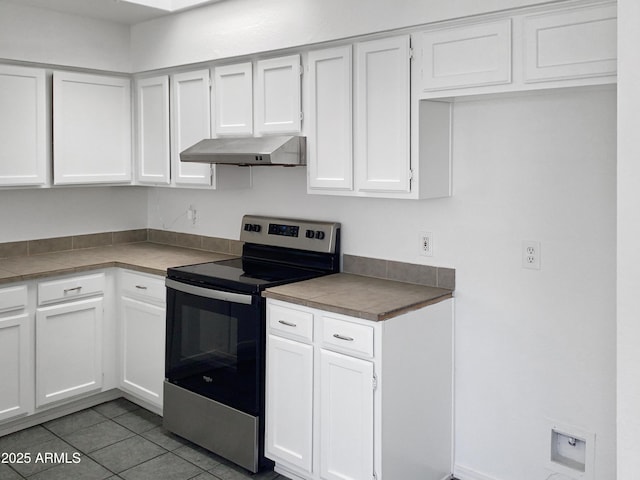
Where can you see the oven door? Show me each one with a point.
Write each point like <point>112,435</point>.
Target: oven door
<point>215,344</point>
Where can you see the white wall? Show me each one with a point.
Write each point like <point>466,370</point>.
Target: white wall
<point>58,212</point>
<point>628,280</point>
<point>532,346</point>
<point>44,36</point>
<point>227,29</point>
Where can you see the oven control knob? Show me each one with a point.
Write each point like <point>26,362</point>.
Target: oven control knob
<point>310,234</point>
<point>256,228</point>
<point>320,235</point>
<point>247,227</point>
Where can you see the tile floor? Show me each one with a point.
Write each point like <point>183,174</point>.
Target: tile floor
<point>114,440</point>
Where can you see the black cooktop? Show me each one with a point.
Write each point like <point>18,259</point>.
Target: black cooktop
<point>241,275</point>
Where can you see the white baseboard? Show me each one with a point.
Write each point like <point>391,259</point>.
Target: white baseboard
<point>464,473</point>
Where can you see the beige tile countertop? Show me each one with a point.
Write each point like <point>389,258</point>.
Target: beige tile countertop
<point>143,256</point>
<point>359,296</point>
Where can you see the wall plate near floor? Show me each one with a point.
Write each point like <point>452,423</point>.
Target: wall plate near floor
<point>571,451</point>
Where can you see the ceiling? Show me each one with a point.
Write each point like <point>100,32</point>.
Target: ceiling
<point>121,11</point>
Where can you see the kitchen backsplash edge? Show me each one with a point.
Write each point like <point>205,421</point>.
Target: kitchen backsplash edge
<point>370,267</point>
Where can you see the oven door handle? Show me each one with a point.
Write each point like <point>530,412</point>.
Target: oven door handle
<point>209,293</point>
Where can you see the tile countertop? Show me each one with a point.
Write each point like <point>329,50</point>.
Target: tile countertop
<point>359,296</point>
<point>143,257</point>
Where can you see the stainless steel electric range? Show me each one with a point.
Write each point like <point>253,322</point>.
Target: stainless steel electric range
<point>215,350</point>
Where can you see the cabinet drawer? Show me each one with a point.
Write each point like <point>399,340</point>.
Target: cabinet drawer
<point>70,288</point>
<point>143,286</point>
<point>346,336</point>
<point>290,321</point>
<point>13,298</point>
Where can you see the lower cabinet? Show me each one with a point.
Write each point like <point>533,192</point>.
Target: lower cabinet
<point>142,336</point>
<point>68,350</point>
<point>351,399</point>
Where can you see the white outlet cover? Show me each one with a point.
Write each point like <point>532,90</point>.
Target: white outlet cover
<point>426,244</point>
<point>531,254</point>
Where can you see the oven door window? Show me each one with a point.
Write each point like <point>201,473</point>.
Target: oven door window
<point>213,348</point>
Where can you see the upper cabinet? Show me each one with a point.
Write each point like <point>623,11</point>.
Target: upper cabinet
<point>576,43</point>
<point>382,115</point>
<point>532,49</point>
<point>329,119</point>
<point>233,99</point>
<point>153,145</point>
<point>23,121</point>
<point>91,128</point>
<point>277,94</point>
<point>191,122</point>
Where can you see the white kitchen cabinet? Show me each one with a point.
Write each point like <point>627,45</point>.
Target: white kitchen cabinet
<point>329,119</point>
<point>23,122</point>
<point>68,350</point>
<point>465,56</point>
<point>290,401</point>
<point>69,337</point>
<point>233,99</point>
<point>91,128</point>
<point>153,142</point>
<point>370,416</point>
<point>570,44</point>
<point>190,123</point>
<point>142,336</point>
<point>346,417</point>
<point>382,95</point>
<point>277,95</point>
<point>16,353</point>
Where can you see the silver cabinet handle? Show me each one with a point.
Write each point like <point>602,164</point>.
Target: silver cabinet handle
<point>288,324</point>
<point>141,287</point>
<point>74,289</point>
<point>342,337</point>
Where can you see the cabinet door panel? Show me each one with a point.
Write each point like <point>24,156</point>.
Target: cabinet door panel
<point>15,358</point>
<point>346,417</point>
<point>153,130</point>
<point>329,119</point>
<point>382,115</point>
<point>278,95</point>
<point>23,125</point>
<point>289,401</point>
<point>233,99</point>
<point>68,350</point>
<point>143,342</point>
<point>190,123</point>
<point>91,128</point>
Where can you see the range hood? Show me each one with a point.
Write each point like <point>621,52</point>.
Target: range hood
<point>272,150</point>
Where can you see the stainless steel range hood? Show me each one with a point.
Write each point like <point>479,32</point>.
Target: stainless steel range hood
<point>272,150</point>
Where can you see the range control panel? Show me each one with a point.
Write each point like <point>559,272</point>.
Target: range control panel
<point>310,235</point>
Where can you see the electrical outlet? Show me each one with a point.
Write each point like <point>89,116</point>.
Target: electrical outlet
<point>426,244</point>
<point>191,214</point>
<point>531,255</point>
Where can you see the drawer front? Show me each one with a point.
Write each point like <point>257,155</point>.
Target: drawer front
<point>346,336</point>
<point>13,298</point>
<point>143,286</point>
<point>292,322</point>
<point>70,288</point>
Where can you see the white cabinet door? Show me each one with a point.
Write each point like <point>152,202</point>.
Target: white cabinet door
<point>289,402</point>
<point>575,43</point>
<point>15,357</point>
<point>465,56</point>
<point>382,157</point>
<point>68,350</point>
<point>152,152</point>
<point>277,105</point>
<point>23,123</point>
<point>346,417</point>
<point>329,119</point>
<point>142,342</point>
<point>190,123</point>
<point>91,128</point>
<point>233,99</point>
